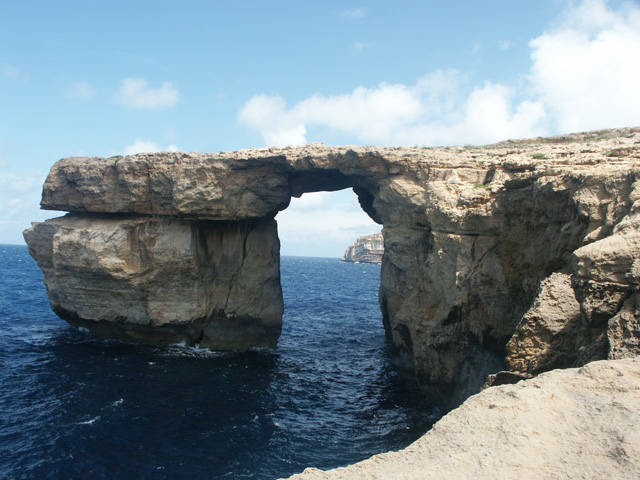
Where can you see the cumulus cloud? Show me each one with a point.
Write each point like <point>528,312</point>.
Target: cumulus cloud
<point>146,146</point>
<point>586,69</point>
<point>323,223</point>
<point>432,111</point>
<point>583,76</point>
<point>137,93</point>
<point>80,91</point>
<point>487,115</point>
<point>268,115</point>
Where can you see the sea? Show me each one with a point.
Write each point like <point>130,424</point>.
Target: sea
<point>73,406</point>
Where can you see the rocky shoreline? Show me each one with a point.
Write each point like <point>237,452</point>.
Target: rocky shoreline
<point>564,424</point>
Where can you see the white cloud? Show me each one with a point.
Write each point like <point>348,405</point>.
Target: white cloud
<point>310,202</point>
<point>267,114</point>
<point>137,93</point>
<point>366,112</point>
<point>13,73</point>
<point>20,204</point>
<point>323,224</point>
<point>504,44</point>
<point>146,146</point>
<point>586,70</point>
<point>433,111</point>
<point>354,13</point>
<point>359,46</point>
<point>583,76</point>
<point>80,91</point>
<point>487,116</point>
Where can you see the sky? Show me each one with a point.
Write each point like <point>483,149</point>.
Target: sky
<point>112,77</point>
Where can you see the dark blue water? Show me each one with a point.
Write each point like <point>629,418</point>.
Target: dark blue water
<point>76,407</point>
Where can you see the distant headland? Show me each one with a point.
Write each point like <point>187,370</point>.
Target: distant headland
<point>366,249</point>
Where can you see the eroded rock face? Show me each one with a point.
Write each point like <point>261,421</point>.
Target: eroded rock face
<point>214,187</point>
<point>164,280</point>
<point>366,249</point>
<point>520,255</point>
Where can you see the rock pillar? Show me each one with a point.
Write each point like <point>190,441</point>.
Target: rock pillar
<point>164,280</point>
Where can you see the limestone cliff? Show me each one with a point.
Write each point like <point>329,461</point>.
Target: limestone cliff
<point>164,280</point>
<point>521,255</point>
<point>366,249</point>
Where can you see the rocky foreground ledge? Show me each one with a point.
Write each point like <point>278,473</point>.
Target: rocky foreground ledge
<point>565,424</point>
<point>521,256</point>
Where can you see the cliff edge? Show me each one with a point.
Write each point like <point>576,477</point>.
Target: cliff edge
<point>565,424</point>
<point>366,249</point>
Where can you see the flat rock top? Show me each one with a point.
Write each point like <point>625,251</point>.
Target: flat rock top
<point>257,182</point>
<point>565,424</point>
<point>590,147</point>
<point>612,146</point>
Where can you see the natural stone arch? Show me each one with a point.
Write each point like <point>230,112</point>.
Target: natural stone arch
<point>470,235</point>
<point>185,246</point>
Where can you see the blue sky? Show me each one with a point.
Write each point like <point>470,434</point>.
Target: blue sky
<point>112,77</point>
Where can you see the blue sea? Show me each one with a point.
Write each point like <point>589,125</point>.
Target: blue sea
<point>73,406</point>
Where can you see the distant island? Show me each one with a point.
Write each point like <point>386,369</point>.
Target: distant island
<point>366,249</point>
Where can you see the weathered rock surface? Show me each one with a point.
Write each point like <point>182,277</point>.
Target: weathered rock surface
<point>564,424</point>
<point>214,187</point>
<point>164,280</point>
<point>366,249</point>
<point>521,255</point>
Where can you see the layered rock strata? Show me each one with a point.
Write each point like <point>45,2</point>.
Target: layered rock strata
<point>159,280</point>
<point>366,249</point>
<point>520,255</point>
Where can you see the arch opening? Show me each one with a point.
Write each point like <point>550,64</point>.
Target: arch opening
<point>329,303</point>
<point>324,223</point>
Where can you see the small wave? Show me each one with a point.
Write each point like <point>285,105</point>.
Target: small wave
<point>183,350</point>
<point>89,422</point>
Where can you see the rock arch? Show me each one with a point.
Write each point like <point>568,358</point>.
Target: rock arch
<point>478,242</point>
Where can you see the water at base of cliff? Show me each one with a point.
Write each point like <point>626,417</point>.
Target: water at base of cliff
<point>76,407</point>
